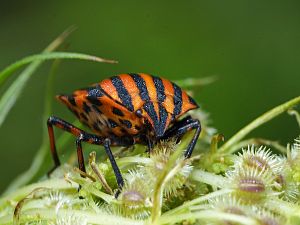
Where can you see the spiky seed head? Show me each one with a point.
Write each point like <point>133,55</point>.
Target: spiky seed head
<point>289,178</point>
<point>294,156</point>
<point>261,158</point>
<point>265,217</point>
<point>134,200</point>
<point>228,203</point>
<point>160,156</point>
<point>286,184</point>
<point>251,184</point>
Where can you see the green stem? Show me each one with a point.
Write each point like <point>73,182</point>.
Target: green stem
<point>257,141</point>
<point>296,114</point>
<point>257,122</point>
<point>209,178</point>
<point>161,181</point>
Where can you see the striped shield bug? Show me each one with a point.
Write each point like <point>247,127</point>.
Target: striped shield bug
<point>124,110</point>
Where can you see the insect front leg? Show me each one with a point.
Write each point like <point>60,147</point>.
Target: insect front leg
<point>180,128</point>
<point>82,136</point>
<point>59,123</point>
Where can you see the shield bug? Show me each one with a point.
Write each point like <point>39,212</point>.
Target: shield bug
<point>124,110</point>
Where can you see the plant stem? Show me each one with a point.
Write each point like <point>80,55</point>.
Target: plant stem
<point>209,178</point>
<point>161,181</point>
<point>257,141</point>
<point>257,122</point>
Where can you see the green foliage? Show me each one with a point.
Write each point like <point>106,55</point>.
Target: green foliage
<point>215,186</point>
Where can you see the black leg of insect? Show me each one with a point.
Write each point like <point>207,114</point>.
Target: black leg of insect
<point>82,136</point>
<point>181,127</point>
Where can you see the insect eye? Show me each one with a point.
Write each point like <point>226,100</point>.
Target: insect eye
<point>139,113</point>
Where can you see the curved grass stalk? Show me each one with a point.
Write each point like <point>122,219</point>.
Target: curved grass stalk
<point>48,56</point>
<point>296,114</point>
<point>258,141</point>
<point>226,148</point>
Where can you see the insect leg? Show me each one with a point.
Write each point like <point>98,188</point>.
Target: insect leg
<point>79,153</point>
<point>82,136</point>
<point>114,165</point>
<point>55,121</point>
<point>180,128</point>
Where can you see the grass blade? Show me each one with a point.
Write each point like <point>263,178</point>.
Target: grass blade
<point>51,47</point>
<point>10,96</point>
<point>48,56</point>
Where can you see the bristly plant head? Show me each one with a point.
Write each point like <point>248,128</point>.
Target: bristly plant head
<point>225,182</point>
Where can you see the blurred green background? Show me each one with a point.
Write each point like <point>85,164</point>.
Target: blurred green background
<point>252,46</point>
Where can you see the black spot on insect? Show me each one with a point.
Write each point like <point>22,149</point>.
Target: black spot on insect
<point>86,108</point>
<point>137,127</point>
<point>83,116</point>
<point>123,130</point>
<point>71,99</point>
<point>127,123</point>
<point>117,111</point>
<point>112,123</point>
<point>94,101</point>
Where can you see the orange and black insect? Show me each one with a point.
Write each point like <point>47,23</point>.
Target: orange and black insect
<point>124,110</point>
